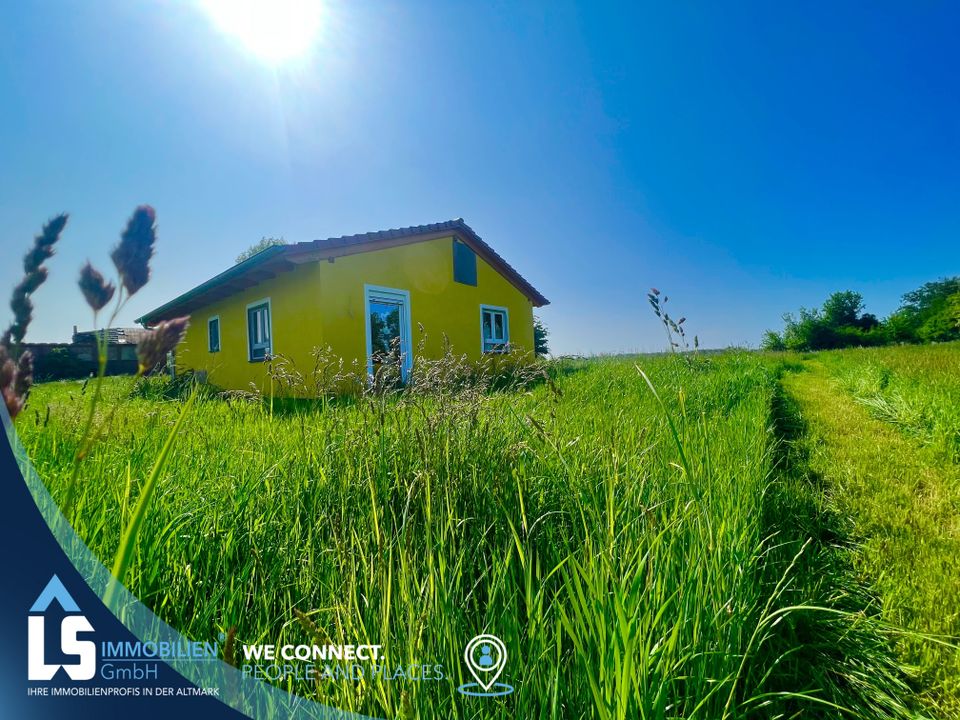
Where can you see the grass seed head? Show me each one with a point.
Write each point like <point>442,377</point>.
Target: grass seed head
<point>132,255</point>
<point>24,376</point>
<point>15,381</point>
<point>229,648</point>
<point>96,290</point>
<point>7,369</point>
<point>43,244</point>
<point>34,274</point>
<point>155,345</point>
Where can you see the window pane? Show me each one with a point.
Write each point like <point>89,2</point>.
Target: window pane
<point>258,321</point>
<point>495,330</point>
<point>214,328</point>
<point>384,328</point>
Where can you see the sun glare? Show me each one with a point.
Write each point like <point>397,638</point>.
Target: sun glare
<point>275,31</point>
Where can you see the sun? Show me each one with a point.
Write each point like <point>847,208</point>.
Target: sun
<point>276,31</point>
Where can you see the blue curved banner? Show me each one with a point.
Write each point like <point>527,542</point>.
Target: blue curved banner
<point>101,663</point>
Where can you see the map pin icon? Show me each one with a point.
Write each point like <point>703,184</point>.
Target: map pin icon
<point>485,656</point>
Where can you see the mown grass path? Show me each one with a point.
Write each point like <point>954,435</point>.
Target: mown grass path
<point>902,505</point>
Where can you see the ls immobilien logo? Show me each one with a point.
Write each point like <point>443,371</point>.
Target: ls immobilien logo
<point>72,624</point>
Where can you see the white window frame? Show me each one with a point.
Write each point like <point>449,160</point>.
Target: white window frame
<point>406,328</point>
<point>246,321</point>
<point>219,334</point>
<point>506,329</point>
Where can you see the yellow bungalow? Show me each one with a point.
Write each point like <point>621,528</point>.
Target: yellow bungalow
<point>359,295</point>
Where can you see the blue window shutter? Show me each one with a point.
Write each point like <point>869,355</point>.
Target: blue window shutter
<point>464,264</point>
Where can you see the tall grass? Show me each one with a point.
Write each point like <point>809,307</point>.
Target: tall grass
<point>881,435</point>
<point>623,546</point>
<point>919,392</point>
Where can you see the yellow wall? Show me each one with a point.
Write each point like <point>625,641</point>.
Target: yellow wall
<point>322,303</point>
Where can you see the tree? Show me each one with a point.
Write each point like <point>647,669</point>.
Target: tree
<point>953,305</point>
<point>868,321</point>
<point>265,242</point>
<point>901,326</point>
<point>843,308</point>
<point>839,322</point>
<point>939,326</point>
<point>805,332</point>
<point>930,294</point>
<point>773,341</point>
<point>929,311</point>
<point>540,337</point>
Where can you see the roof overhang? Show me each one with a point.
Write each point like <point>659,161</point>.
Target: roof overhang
<point>264,265</point>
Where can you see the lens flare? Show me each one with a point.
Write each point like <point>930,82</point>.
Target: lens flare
<point>276,31</point>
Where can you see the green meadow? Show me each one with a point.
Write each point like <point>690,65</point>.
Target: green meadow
<point>737,535</point>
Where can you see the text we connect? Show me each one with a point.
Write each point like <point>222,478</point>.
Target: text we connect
<point>312,652</point>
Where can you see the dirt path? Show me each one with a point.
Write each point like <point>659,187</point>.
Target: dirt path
<point>902,504</point>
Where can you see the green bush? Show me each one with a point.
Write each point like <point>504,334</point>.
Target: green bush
<point>930,313</point>
<point>60,364</point>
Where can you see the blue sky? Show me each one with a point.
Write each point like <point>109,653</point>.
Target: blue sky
<point>746,159</point>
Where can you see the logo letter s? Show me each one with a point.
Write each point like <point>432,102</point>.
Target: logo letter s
<point>86,649</point>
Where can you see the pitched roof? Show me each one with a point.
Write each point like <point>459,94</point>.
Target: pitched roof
<point>115,336</point>
<point>277,259</point>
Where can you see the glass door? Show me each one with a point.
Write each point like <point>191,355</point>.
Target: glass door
<point>388,332</point>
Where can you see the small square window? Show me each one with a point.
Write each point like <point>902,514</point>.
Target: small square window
<point>213,334</point>
<point>258,331</point>
<point>464,264</point>
<point>494,329</point>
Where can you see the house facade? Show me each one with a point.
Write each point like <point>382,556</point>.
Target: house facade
<point>410,291</point>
